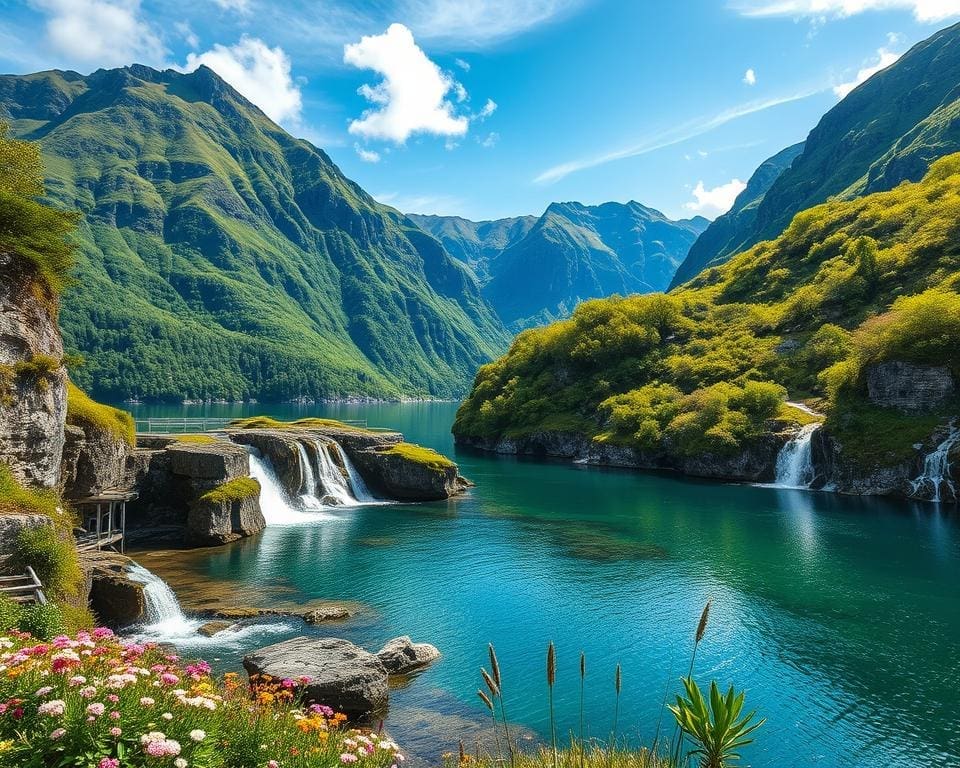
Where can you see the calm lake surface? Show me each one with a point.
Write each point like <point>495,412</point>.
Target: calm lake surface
<point>840,617</point>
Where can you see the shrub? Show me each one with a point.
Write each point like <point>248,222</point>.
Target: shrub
<point>17,500</point>
<point>9,614</point>
<point>38,369</point>
<point>52,556</point>
<point>42,621</point>
<point>86,413</point>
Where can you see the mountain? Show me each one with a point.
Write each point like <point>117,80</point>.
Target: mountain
<point>886,131</point>
<point>221,257</point>
<point>476,243</point>
<point>534,271</point>
<point>721,239</point>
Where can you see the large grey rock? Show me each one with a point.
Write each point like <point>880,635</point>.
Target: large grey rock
<point>32,411</point>
<point>216,462</point>
<point>401,655</point>
<point>342,675</point>
<point>115,598</point>
<point>909,387</point>
<point>394,476</point>
<point>93,461</point>
<point>211,523</point>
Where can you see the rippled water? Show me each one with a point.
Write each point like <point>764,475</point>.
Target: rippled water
<point>840,617</point>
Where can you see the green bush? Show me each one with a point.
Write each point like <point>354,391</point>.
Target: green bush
<point>42,621</point>
<point>9,614</point>
<point>233,490</point>
<point>52,556</point>
<point>86,413</point>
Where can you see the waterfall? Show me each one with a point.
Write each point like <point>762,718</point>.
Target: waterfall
<point>335,486</point>
<point>936,477</point>
<point>274,504</point>
<point>795,460</point>
<point>360,491</point>
<point>165,619</point>
<point>308,491</point>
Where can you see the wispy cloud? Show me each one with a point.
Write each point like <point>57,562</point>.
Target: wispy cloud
<point>883,60</point>
<point>441,205</point>
<point>928,11</point>
<point>677,135</point>
<point>717,200</point>
<point>750,77</point>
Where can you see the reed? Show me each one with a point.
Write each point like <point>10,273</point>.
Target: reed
<point>551,679</point>
<point>488,703</point>
<point>583,678</point>
<point>494,683</point>
<point>697,638</point>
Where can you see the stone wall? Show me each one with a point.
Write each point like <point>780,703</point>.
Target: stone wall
<point>909,387</point>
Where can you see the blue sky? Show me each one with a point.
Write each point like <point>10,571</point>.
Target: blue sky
<point>491,108</point>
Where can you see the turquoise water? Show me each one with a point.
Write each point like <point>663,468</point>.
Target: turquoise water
<point>839,616</point>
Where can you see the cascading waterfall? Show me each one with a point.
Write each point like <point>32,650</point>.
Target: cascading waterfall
<point>165,619</point>
<point>936,478</point>
<point>795,460</point>
<point>308,491</point>
<point>335,487</point>
<point>360,491</point>
<point>274,504</point>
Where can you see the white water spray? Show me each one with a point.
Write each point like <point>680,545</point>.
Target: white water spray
<point>274,504</point>
<point>795,460</point>
<point>335,486</point>
<point>936,481</point>
<point>165,618</point>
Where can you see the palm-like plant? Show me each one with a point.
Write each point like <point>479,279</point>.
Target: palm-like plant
<point>717,730</point>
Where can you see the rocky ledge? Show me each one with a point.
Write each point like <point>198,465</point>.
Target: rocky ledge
<point>391,468</point>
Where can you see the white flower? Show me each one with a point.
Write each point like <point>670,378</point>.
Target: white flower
<point>198,735</point>
<point>180,763</point>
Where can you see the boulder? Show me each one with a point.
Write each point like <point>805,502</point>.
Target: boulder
<point>116,599</point>
<point>331,613</point>
<point>32,408</point>
<point>214,462</point>
<point>215,627</point>
<point>908,387</point>
<point>211,523</point>
<point>395,476</point>
<point>401,656</point>
<point>341,675</point>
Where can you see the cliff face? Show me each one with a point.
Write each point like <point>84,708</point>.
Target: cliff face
<point>33,382</point>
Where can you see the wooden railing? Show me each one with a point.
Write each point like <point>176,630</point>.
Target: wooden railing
<point>23,588</point>
<point>105,520</point>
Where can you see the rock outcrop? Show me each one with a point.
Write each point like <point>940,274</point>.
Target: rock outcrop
<point>341,675</point>
<point>11,525</point>
<point>401,656</point>
<point>115,598</point>
<point>33,381</point>
<point>908,387</point>
<point>174,480</point>
<point>93,461</point>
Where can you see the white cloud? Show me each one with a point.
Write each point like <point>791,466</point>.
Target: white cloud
<point>412,96</point>
<point>717,200</point>
<point>238,6</point>
<point>103,33</point>
<point>476,22</point>
<point>186,32</point>
<point>464,65</point>
<point>488,109</point>
<point>367,155</point>
<point>750,77</point>
<point>490,140</point>
<point>884,59</point>
<point>259,72</point>
<point>668,138</point>
<point>441,205</point>
<point>928,11</point>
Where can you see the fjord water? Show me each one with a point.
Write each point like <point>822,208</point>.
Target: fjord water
<point>839,616</point>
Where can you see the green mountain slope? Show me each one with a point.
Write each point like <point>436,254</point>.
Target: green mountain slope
<point>722,238</point>
<point>475,243</point>
<point>887,130</point>
<point>571,253</point>
<point>221,257</point>
<point>702,370</point>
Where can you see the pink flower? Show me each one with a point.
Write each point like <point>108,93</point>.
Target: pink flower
<point>102,632</point>
<point>273,764</point>
<point>113,698</point>
<point>287,683</point>
<point>88,692</point>
<point>346,757</point>
<point>96,709</point>
<point>115,732</point>
<point>57,734</point>
<point>146,701</point>
<point>114,715</point>
<point>53,708</point>
<point>109,762</point>
<point>168,678</point>
<point>77,680</point>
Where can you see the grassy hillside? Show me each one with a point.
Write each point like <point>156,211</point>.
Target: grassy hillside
<point>887,130</point>
<point>536,271</point>
<point>848,284</point>
<point>218,256</point>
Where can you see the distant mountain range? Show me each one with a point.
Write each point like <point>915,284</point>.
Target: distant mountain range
<point>221,257</point>
<point>534,270</point>
<point>886,131</point>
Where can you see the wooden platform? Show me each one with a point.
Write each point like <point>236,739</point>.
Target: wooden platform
<point>104,517</point>
<point>23,588</point>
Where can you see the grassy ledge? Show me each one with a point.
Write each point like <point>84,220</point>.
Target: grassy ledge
<point>238,489</point>
<point>84,412</point>
<point>266,422</point>
<point>199,439</point>
<point>426,457</point>
<point>16,500</point>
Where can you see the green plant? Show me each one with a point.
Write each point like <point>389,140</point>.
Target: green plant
<point>238,489</point>
<point>86,413</point>
<point>43,621</point>
<point>38,369</point>
<point>17,500</point>
<point>717,729</point>
<point>9,614</point>
<point>52,555</point>
<point>426,457</point>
